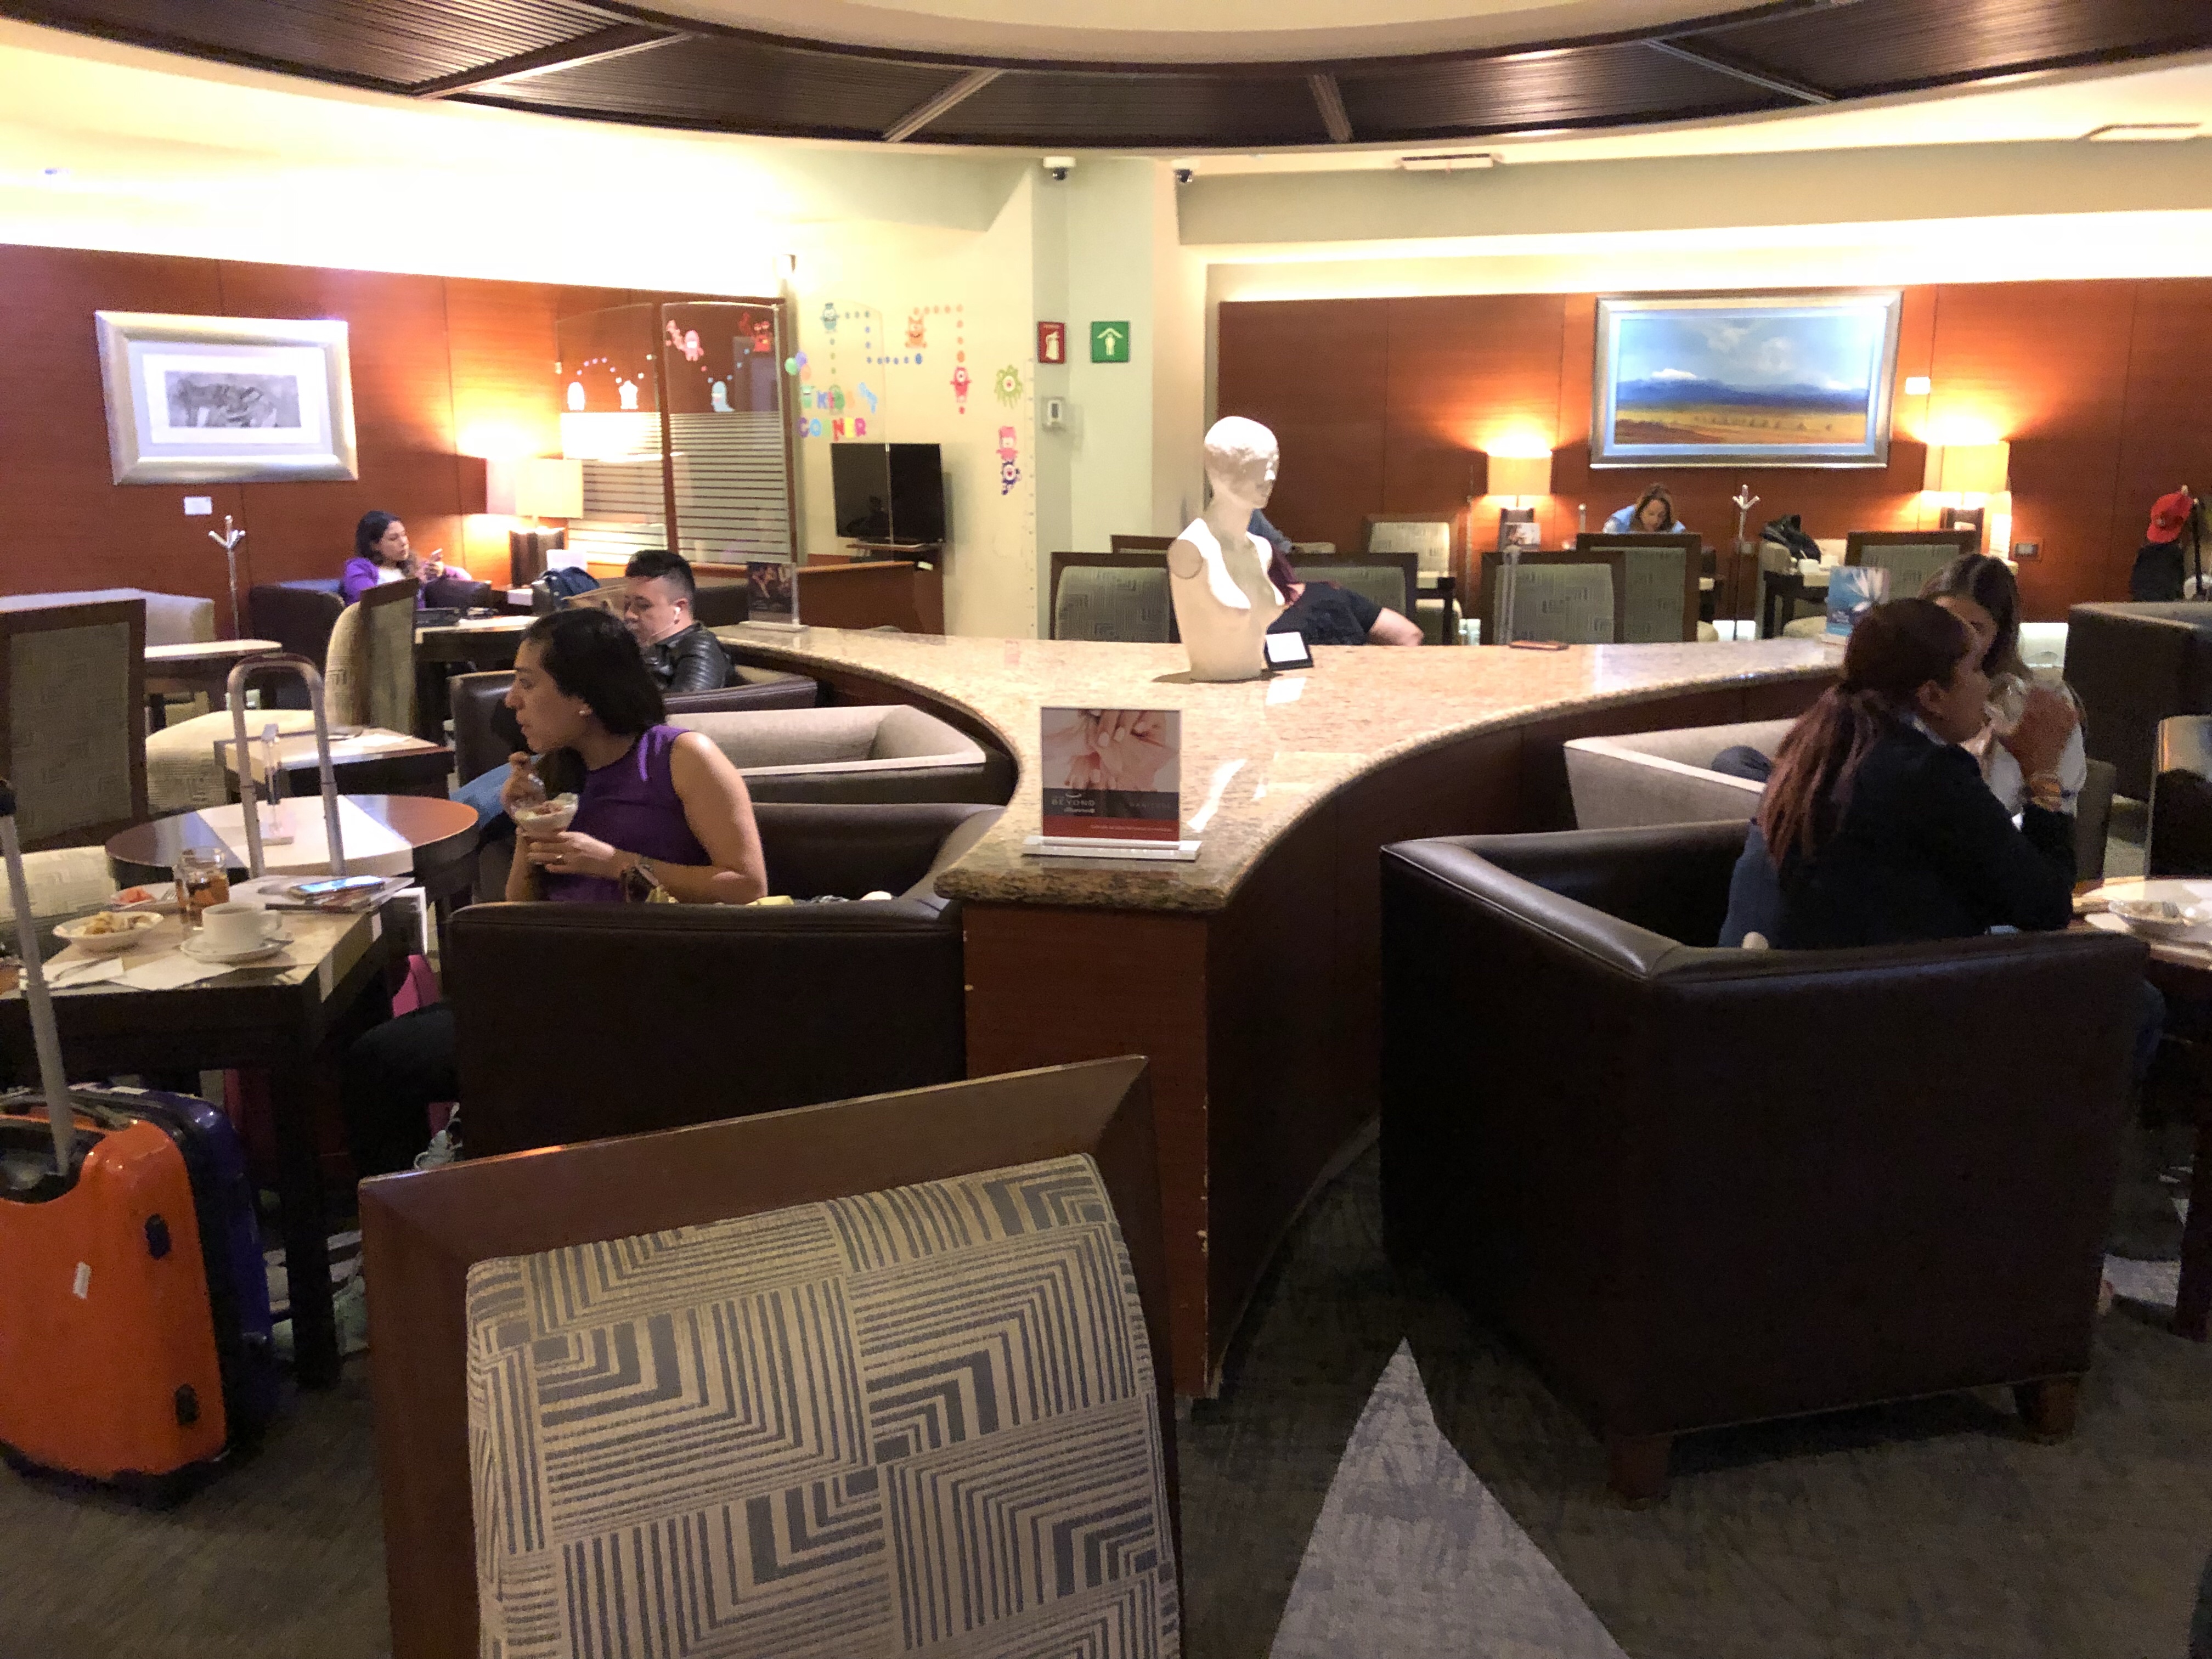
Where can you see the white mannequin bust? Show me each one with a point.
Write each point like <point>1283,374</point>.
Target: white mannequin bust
<point>1217,569</point>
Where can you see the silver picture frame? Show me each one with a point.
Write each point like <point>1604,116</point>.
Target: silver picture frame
<point>1744,380</point>
<point>226,399</point>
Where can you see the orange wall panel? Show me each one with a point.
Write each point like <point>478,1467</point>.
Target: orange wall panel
<point>2095,384</point>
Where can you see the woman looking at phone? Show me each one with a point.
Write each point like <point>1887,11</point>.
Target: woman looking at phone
<point>381,554</point>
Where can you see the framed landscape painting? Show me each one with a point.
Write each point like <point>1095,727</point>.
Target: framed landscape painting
<point>226,399</point>
<point>1745,380</point>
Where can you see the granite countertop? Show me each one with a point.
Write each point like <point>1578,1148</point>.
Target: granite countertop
<point>1257,754</point>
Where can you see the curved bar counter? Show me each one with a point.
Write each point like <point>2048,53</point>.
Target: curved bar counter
<point>1251,978</point>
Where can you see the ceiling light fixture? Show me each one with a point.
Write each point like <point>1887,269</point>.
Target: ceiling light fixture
<point>1465,161</point>
<point>2144,132</point>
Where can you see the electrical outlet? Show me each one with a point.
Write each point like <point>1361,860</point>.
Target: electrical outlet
<point>1055,413</point>
<point>199,507</point>
<point>2026,551</point>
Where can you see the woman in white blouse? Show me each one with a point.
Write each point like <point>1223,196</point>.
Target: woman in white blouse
<point>1980,591</point>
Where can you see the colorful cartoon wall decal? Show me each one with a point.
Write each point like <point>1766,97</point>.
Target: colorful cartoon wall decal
<point>1009,472</point>
<point>1052,342</point>
<point>867,397</point>
<point>917,328</point>
<point>795,363</point>
<point>1009,476</point>
<point>1007,388</point>
<point>1005,443</point>
<point>576,395</point>
<point>960,385</point>
<point>828,316</point>
<point>837,427</point>
<point>860,426</point>
<point>763,336</point>
<point>719,393</point>
<point>627,390</point>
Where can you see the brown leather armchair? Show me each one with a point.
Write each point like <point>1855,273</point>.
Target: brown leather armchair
<point>2134,666</point>
<point>579,1021</point>
<point>484,736</point>
<point>2180,842</point>
<point>299,615</point>
<point>1705,1186</point>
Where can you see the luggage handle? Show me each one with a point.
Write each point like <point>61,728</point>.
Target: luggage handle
<point>234,688</point>
<point>46,1034</point>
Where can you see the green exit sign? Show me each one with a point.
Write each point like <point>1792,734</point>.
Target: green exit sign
<point>1110,343</point>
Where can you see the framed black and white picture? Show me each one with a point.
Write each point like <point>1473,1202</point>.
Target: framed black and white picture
<point>226,399</point>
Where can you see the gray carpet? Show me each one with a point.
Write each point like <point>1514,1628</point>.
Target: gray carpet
<point>1469,1516</point>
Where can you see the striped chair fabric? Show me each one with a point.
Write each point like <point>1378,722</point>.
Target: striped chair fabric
<point>1569,603</point>
<point>1102,602</point>
<point>922,1420</point>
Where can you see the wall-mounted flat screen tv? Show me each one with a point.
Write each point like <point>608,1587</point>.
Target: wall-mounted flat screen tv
<point>1744,380</point>
<point>888,492</point>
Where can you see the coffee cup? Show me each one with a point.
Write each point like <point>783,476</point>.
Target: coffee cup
<point>233,926</point>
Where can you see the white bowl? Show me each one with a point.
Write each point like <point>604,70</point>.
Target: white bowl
<point>131,927</point>
<point>2152,918</point>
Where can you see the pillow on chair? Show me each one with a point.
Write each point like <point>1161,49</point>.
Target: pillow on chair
<point>923,1418</point>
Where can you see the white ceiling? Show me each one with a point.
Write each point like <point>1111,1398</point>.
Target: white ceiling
<point>2058,105</point>
<point>1183,30</point>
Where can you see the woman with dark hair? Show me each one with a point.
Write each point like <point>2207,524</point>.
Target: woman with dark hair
<point>1652,515</point>
<point>1980,591</point>
<point>659,811</point>
<point>656,807</point>
<point>1877,827</point>
<point>381,554</point>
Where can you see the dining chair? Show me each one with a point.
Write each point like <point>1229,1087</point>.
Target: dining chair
<point>1575,598</point>
<point>1661,573</point>
<point>790,1372</point>
<point>1911,557</point>
<point>73,735</point>
<point>1112,596</point>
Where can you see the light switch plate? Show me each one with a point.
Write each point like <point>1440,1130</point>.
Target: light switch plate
<point>2026,551</point>
<point>1055,412</point>
<point>199,507</point>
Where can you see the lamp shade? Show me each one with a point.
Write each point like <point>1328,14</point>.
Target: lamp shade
<point>549,489</point>
<point>1971,469</point>
<point>1521,475</point>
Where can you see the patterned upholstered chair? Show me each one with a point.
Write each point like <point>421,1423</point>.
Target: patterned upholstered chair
<point>857,1379</point>
<point>1662,571</point>
<point>1112,596</point>
<point>1575,599</point>
<point>1911,557</point>
<point>72,735</point>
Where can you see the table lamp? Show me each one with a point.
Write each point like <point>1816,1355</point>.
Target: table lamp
<point>539,487</point>
<point>1968,470</point>
<point>1522,478</point>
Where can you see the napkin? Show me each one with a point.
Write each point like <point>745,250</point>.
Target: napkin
<point>168,971</point>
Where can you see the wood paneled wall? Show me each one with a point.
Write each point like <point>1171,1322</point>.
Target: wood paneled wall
<point>2100,387</point>
<point>442,369</point>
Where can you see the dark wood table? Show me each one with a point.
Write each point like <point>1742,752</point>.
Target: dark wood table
<point>409,766</point>
<point>200,666</point>
<point>490,642</point>
<point>288,1022</point>
<point>442,833</point>
<point>1785,585</point>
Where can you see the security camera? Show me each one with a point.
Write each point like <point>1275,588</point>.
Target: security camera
<point>1059,166</point>
<point>1184,175</point>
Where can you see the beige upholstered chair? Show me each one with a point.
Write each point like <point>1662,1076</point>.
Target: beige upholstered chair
<point>369,677</point>
<point>1660,571</point>
<point>1573,598</point>
<point>72,725</point>
<point>1123,595</point>
<point>773,1381</point>
<point>1911,557</point>
<point>856,752</point>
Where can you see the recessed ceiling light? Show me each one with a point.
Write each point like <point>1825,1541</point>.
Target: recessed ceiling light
<point>2144,132</point>
<point>1463,161</point>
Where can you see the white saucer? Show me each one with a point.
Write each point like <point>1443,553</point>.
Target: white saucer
<point>195,946</point>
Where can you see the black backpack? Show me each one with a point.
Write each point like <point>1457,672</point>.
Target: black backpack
<point>556,588</point>
<point>1789,533</point>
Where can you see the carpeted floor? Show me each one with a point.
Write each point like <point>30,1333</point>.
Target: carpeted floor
<point>1468,1514</point>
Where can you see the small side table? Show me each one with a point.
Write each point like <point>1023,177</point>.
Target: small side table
<point>370,762</point>
<point>1786,585</point>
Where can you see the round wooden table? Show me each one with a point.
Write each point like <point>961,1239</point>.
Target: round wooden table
<point>441,833</point>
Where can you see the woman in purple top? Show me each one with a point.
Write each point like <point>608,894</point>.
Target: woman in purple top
<point>380,554</point>
<point>655,805</point>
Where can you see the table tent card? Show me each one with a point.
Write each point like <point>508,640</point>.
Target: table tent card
<point>1112,784</point>
<point>1853,590</point>
<point>771,594</point>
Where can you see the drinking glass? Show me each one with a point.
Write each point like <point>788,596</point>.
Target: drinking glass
<point>202,879</point>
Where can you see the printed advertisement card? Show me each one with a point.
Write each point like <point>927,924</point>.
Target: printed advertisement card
<point>1113,774</point>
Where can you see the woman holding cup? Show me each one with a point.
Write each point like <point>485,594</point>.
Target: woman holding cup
<point>1980,591</point>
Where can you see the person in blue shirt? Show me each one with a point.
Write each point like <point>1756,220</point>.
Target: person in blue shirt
<point>1652,515</point>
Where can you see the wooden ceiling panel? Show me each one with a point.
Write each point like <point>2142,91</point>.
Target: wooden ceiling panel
<point>739,86</point>
<point>395,43</point>
<point>1877,45</point>
<point>709,77</point>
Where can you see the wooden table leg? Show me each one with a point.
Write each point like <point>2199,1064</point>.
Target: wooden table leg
<point>2048,1406</point>
<point>2192,1306</point>
<point>306,1230</point>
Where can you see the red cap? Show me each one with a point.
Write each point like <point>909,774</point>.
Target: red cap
<point>2168,515</point>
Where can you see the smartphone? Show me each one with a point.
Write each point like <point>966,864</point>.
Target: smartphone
<point>330,884</point>
<point>1538,645</point>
